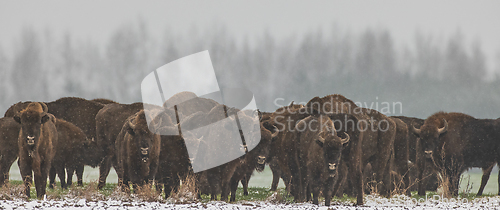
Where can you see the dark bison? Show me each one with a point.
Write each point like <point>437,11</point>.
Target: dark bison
<point>320,151</point>
<point>457,141</point>
<point>284,148</point>
<point>422,176</point>
<point>109,122</point>
<point>255,159</point>
<point>9,151</point>
<point>137,152</point>
<point>36,138</point>
<point>174,163</point>
<point>376,132</point>
<point>69,154</point>
<point>217,140</point>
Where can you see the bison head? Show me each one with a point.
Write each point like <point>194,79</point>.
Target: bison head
<point>429,136</point>
<point>268,134</point>
<point>31,120</point>
<point>332,146</point>
<point>141,136</point>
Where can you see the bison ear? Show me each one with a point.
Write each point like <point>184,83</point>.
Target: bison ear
<point>45,118</point>
<point>17,119</point>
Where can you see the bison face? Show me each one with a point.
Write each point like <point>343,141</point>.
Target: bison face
<point>143,138</point>
<point>332,146</point>
<point>429,137</point>
<point>268,134</point>
<point>31,123</point>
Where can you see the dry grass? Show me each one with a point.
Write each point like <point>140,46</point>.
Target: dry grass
<point>88,192</point>
<point>187,193</point>
<point>12,191</point>
<point>147,193</point>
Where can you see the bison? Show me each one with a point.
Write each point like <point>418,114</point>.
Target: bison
<point>456,142</point>
<point>422,176</point>
<point>377,133</point>
<point>69,154</point>
<point>109,122</point>
<point>9,151</point>
<point>78,111</point>
<point>218,177</point>
<point>36,150</point>
<point>137,152</point>
<point>255,159</point>
<point>320,152</point>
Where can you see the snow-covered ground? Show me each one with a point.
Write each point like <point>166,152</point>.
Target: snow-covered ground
<point>372,202</point>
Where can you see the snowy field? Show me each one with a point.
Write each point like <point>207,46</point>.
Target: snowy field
<point>371,203</point>
<point>260,180</point>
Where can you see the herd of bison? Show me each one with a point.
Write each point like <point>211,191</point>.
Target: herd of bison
<point>329,146</point>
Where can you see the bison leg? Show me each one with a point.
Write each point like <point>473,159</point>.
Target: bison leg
<point>27,174</point>
<point>69,176</point>
<point>244,182</point>
<point>276,176</point>
<point>79,174</point>
<point>41,179</point>
<point>499,181</point>
<point>61,173</point>
<point>234,186</point>
<point>327,191</point>
<point>172,183</point>
<point>355,172</point>
<point>315,191</point>
<point>337,188</point>
<point>52,178</point>
<point>104,168</point>
<point>484,179</point>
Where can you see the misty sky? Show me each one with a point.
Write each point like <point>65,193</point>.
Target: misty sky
<point>96,20</point>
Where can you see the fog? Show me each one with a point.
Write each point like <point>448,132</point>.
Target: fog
<point>428,57</point>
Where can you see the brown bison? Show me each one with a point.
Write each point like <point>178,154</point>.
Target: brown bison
<point>422,176</point>
<point>36,138</point>
<point>137,152</point>
<point>78,111</point>
<point>109,122</point>
<point>320,152</point>
<point>457,141</point>
<point>376,132</point>
<point>9,150</point>
<point>69,154</point>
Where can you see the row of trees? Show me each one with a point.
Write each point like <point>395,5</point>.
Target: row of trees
<point>425,76</point>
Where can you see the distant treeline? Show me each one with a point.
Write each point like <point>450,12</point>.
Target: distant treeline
<point>425,76</point>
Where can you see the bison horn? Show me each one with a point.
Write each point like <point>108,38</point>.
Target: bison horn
<point>291,104</point>
<point>443,129</point>
<point>321,139</point>
<point>347,139</point>
<point>276,131</point>
<point>416,130</point>
<point>44,106</point>
<point>131,125</point>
